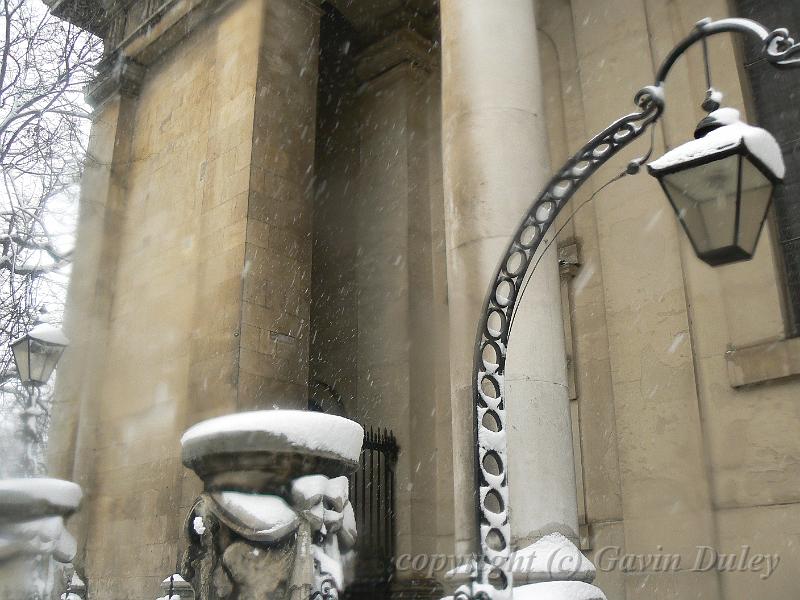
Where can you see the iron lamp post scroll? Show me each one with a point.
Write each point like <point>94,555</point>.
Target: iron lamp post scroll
<point>493,577</point>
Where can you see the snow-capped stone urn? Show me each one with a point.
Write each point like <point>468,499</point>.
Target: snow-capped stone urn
<point>274,520</point>
<point>33,536</point>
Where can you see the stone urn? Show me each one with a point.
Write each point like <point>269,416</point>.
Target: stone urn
<point>274,520</point>
<point>33,536</point>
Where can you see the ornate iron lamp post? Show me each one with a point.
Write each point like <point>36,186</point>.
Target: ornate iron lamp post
<point>720,186</point>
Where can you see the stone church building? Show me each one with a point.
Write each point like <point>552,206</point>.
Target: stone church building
<point>299,204</point>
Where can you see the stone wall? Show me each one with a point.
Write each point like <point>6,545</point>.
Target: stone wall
<point>193,293</point>
<point>189,295</point>
<point>679,449</point>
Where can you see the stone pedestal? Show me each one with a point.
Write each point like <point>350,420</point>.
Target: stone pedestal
<point>33,538</point>
<point>274,519</point>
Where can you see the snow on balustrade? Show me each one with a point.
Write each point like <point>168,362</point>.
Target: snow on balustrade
<point>33,535</point>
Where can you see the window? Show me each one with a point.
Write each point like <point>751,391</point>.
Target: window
<point>776,100</point>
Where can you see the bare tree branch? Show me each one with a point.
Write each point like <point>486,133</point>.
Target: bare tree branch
<point>45,64</point>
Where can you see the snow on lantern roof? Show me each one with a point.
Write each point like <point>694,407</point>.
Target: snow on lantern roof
<point>759,142</point>
<point>300,431</point>
<point>49,334</point>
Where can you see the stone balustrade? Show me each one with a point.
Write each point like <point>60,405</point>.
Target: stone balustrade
<point>34,542</point>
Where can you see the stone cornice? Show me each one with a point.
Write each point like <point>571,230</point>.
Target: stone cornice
<point>161,25</point>
<point>90,15</point>
<point>373,20</point>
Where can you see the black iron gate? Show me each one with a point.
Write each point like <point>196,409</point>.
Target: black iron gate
<point>372,493</point>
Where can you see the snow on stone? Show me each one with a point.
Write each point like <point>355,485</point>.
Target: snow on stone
<point>308,491</point>
<point>38,536</point>
<point>198,526</point>
<point>348,533</point>
<point>277,430</point>
<point>259,518</point>
<point>558,590</point>
<point>329,565</point>
<point>77,587</point>
<point>758,141</point>
<point>39,495</point>
<point>551,557</point>
<point>338,492</point>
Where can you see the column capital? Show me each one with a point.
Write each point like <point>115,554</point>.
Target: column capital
<point>400,46</point>
<point>116,74</point>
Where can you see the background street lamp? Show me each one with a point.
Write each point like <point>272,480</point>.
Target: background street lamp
<point>721,193</point>
<point>36,355</point>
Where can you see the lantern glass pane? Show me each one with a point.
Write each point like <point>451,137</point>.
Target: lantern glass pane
<point>20,350</point>
<point>43,359</point>
<point>756,194</point>
<point>704,198</point>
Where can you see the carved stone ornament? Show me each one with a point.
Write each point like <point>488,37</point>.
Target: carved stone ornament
<point>274,520</point>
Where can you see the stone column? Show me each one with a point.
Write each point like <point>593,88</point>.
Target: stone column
<point>276,276</point>
<point>495,162</point>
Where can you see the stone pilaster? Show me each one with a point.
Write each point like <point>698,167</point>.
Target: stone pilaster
<point>101,214</point>
<point>401,339</point>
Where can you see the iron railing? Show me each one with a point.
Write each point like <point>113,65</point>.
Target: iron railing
<point>372,493</point>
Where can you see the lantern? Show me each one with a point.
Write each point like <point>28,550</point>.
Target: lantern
<point>37,353</point>
<point>720,185</point>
